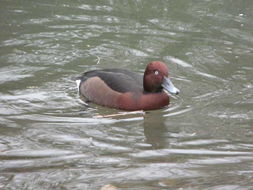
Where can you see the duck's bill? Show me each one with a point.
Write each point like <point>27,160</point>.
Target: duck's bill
<point>169,86</point>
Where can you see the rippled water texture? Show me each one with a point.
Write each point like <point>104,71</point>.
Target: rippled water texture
<point>49,139</point>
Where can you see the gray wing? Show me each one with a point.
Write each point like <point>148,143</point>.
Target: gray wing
<point>120,80</point>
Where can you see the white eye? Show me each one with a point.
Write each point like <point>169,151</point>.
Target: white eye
<point>156,72</point>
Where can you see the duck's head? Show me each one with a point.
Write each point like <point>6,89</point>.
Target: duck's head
<point>156,78</point>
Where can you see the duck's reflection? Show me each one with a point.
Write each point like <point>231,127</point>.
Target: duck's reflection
<point>155,130</point>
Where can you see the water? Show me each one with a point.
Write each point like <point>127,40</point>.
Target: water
<point>49,139</point>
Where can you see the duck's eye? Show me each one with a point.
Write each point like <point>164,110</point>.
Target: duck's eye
<point>156,72</point>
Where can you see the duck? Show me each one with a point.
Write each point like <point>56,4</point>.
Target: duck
<point>126,90</point>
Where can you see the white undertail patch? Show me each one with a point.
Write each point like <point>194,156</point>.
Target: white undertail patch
<point>78,82</point>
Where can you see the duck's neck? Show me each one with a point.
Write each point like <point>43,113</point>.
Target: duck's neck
<point>152,101</point>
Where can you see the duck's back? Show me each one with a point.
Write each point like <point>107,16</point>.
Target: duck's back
<point>120,80</point>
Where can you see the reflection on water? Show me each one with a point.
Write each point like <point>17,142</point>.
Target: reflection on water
<point>49,139</point>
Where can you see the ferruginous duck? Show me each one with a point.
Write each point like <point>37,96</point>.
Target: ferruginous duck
<point>126,90</point>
